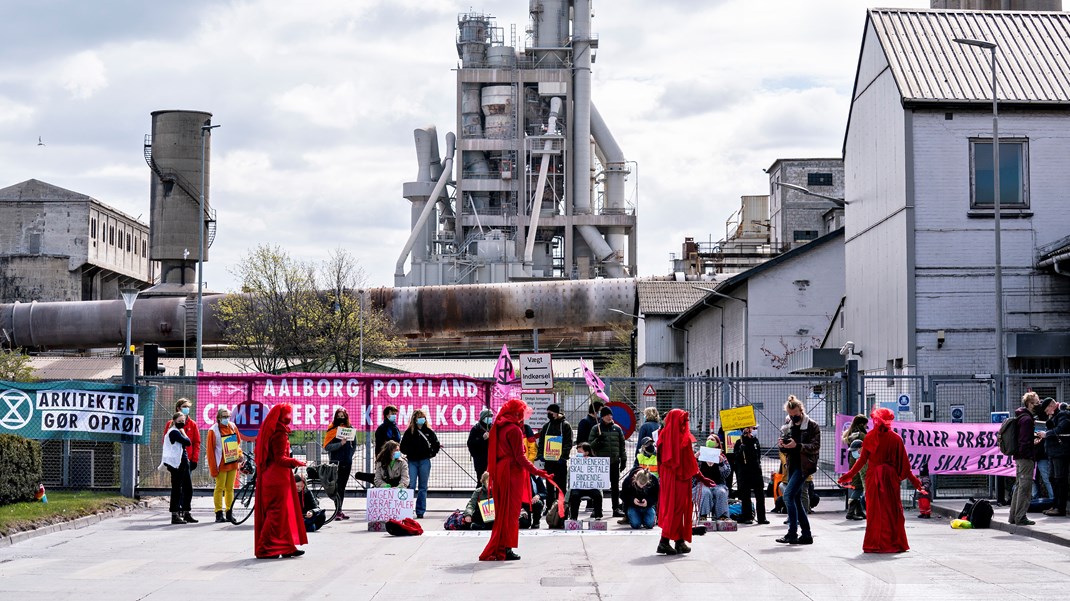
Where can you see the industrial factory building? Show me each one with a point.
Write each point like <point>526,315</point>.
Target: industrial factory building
<point>60,245</point>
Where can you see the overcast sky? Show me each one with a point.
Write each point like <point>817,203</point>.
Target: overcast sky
<point>318,99</point>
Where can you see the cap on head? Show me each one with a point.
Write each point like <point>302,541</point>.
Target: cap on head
<point>605,411</point>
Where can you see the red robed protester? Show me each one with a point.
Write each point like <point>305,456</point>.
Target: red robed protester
<point>888,463</point>
<point>676,466</point>
<point>510,484</point>
<point>278,523</point>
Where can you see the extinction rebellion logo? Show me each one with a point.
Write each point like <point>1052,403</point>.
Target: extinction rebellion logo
<point>16,409</point>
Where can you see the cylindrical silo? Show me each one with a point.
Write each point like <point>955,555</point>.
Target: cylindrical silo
<point>501,57</point>
<point>498,112</point>
<point>177,154</point>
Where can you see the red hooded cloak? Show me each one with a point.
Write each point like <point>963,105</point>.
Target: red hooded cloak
<point>676,466</point>
<point>883,449</point>
<point>510,484</point>
<point>277,521</point>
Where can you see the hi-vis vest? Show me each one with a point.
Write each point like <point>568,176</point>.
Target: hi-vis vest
<point>650,462</point>
<point>172,451</point>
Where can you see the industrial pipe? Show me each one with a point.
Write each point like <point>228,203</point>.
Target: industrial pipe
<point>447,170</point>
<point>540,186</point>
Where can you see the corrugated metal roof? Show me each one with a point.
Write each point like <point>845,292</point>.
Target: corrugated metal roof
<point>668,297</point>
<point>1033,57</point>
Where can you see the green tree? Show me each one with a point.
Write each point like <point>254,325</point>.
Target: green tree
<point>619,362</point>
<point>297,315</point>
<point>15,366</point>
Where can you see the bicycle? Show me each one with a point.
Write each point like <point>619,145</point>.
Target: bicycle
<point>331,504</point>
<point>242,507</point>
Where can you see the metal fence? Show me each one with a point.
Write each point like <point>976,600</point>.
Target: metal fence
<point>83,464</point>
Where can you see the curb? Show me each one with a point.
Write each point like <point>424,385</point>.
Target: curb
<point>1026,531</point>
<point>75,524</point>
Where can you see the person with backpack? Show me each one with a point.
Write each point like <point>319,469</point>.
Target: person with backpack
<point>419,444</point>
<point>1057,446</point>
<point>1024,454</point>
<point>886,455</point>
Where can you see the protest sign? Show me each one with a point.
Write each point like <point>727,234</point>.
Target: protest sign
<point>76,411</point>
<point>385,504</point>
<point>955,448</point>
<point>486,510</point>
<point>588,473</point>
<point>709,455</point>
<point>552,450</point>
<point>349,434</point>
<point>231,448</point>
<point>738,418</point>
<point>538,403</point>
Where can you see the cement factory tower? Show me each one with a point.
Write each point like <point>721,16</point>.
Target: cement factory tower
<point>539,191</point>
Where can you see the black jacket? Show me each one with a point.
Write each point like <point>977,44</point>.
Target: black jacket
<point>1026,433</point>
<point>629,492</point>
<point>607,441</point>
<point>477,446</point>
<point>387,430</point>
<point>747,458</point>
<point>556,427</point>
<point>1057,436</point>
<point>419,443</point>
<point>583,429</point>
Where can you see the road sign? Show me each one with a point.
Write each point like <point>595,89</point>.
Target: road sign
<point>538,403</point>
<point>536,372</point>
<point>649,391</point>
<point>958,414</point>
<point>904,402</point>
<point>623,416</point>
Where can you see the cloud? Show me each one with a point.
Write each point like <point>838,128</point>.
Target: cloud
<point>83,75</point>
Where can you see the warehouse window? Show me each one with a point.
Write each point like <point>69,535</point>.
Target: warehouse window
<point>129,246</point>
<point>818,179</point>
<point>93,228</point>
<point>111,235</point>
<point>144,248</point>
<point>805,235</point>
<point>1013,174</point>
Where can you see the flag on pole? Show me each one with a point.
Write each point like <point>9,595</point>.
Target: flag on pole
<point>505,380</point>
<point>595,383</point>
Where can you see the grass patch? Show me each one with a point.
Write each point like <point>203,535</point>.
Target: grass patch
<point>61,507</point>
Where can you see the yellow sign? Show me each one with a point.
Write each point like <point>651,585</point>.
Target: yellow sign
<point>738,418</point>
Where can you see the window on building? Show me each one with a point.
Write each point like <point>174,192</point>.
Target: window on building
<point>805,235</point>
<point>111,235</point>
<point>93,228</point>
<point>144,248</point>
<point>129,245</point>
<point>1013,174</point>
<point>818,179</point>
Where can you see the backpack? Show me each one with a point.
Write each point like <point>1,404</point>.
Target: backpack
<point>1008,436</point>
<point>405,527</point>
<point>455,521</point>
<point>554,521</point>
<point>978,512</point>
<point>328,477</point>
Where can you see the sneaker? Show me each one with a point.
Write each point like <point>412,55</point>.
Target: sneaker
<point>1026,522</point>
<point>805,539</point>
<point>788,539</point>
<point>341,516</point>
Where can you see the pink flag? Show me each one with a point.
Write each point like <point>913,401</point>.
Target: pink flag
<point>505,378</point>
<point>595,383</point>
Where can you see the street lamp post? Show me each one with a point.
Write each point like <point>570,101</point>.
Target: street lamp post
<point>839,201</point>
<point>183,307</point>
<point>128,453</point>
<point>1000,359</point>
<point>206,130</point>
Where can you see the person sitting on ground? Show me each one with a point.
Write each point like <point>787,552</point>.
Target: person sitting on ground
<point>712,501</point>
<point>639,494</point>
<point>310,509</point>
<point>473,517</point>
<point>574,495</point>
<point>391,469</point>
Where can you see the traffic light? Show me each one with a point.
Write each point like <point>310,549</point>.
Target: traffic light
<point>151,353</point>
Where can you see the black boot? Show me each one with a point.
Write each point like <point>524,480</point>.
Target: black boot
<point>854,511</point>
<point>681,547</point>
<point>665,547</point>
<point>219,519</point>
<point>189,518</point>
<point>176,518</point>
<point>230,517</point>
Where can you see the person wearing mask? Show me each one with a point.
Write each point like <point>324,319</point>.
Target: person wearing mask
<point>176,458</point>
<point>223,450</point>
<point>391,469</point>
<point>510,480</point>
<point>184,406</point>
<point>801,442</point>
<point>340,450</point>
<point>607,440</point>
<point>555,446</point>
<point>677,466</point>
<point>713,500</point>
<point>647,456</point>
<point>388,430</point>
<point>1024,460</point>
<point>583,430</point>
<point>479,441</point>
<point>473,517</point>
<point>651,424</point>
<point>310,509</point>
<point>747,455</point>
<point>855,433</point>
<point>278,525</point>
<point>531,512</point>
<point>639,493</point>
<point>576,494</point>
<point>419,444</point>
<point>1057,447</point>
<point>884,452</point>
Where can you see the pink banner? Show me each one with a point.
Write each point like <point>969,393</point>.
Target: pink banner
<point>953,449</point>
<point>452,402</point>
<point>594,383</point>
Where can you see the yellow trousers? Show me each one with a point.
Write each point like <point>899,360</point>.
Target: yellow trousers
<point>224,486</point>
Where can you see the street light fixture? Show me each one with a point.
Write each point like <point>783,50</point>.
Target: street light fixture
<point>129,296</point>
<point>991,47</point>
<point>206,130</point>
<point>128,452</point>
<point>839,201</point>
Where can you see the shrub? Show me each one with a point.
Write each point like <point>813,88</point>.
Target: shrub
<point>20,468</point>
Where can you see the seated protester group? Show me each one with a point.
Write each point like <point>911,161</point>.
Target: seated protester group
<point>310,509</point>
<point>639,494</point>
<point>712,502</point>
<point>575,495</point>
<point>391,469</point>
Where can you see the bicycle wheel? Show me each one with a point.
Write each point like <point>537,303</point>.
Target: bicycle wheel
<point>330,505</point>
<point>243,502</point>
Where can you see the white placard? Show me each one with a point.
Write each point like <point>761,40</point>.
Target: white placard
<point>536,372</point>
<point>538,403</point>
<point>709,454</point>
<point>386,504</point>
<point>588,473</point>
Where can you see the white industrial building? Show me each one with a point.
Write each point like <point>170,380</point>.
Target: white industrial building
<point>918,167</point>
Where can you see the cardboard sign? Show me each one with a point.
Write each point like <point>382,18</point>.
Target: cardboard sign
<point>709,455</point>
<point>535,371</point>
<point>551,451</point>
<point>731,436</point>
<point>486,510</point>
<point>231,448</point>
<point>349,434</point>
<point>588,473</point>
<point>385,504</point>
<point>738,418</point>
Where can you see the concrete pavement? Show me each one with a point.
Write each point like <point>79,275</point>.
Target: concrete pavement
<point>141,556</point>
